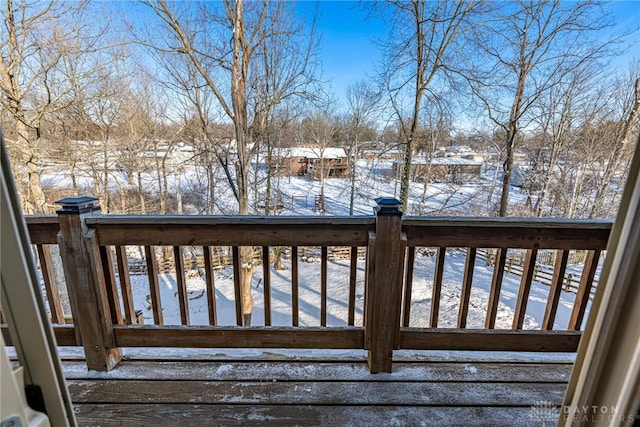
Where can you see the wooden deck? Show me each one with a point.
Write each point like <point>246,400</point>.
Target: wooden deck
<point>331,391</point>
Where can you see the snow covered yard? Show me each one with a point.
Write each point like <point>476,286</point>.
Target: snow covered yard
<point>338,295</point>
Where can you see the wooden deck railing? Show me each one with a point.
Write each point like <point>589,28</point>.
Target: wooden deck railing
<point>94,254</point>
<point>503,234</point>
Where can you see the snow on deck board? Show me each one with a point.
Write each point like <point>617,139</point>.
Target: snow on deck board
<point>349,371</point>
<point>235,392</point>
<point>154,415</point>
<point>315,393</point>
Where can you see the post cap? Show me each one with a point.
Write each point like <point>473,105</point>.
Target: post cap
<point>388,206</point>
<point>77,205</point>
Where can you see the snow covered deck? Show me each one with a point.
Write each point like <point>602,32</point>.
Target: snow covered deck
<point>255,388</point>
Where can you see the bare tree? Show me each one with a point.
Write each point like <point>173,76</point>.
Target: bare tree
<point>422,48</point>
<point>318,130</point>
<point>558,114</point>
<point>625,132</point>
<point>43,40</point>
<point>525,49</point>
<point>283,75</point>
<point>222,41</point>
<point>362,102</point>
<point>581,149</point>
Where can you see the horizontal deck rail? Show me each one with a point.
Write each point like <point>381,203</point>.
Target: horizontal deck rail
<point>231,231</point>
<point>381,289</point>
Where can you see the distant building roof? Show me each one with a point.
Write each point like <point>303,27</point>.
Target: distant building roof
<point>314,153</point>
<point>445,161</point>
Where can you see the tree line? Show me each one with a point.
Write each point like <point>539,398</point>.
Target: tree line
<point>234,79</point>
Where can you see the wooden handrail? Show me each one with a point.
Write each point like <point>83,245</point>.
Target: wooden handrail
<point>231,231</point>
<point>43,229</point>
<point>388,282</point>
<point>521,233</point>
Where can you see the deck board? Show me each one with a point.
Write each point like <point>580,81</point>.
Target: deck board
<point>298,415</point>
<point>345,372</point>
<point>144,392</point>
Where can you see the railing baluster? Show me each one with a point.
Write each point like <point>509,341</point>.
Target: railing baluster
<point>183,300</point>
<point>584,290</point>
<point>408,285</point>
<point>525,286</point>
<point>465,293</point>
<point>437,287</point>
<point>50,284</point>
<point>110,281</point>
<point>211,287</point>
<point>556,289</point>
<point>323,286</point>
<point>237,285</point>
<point>266,279</point>
<point>294,286</point>
<point>154,288</point>
<point>496,285</point>
<point>353,271</point>
<point>125,285</point>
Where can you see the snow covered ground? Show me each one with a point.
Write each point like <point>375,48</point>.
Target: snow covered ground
<point>375,178</point>
<point>338,293</point>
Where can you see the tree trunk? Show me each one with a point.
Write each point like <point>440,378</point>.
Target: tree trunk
<point>277,261</point>
<point>510,142</point>
<point>239,102</point>
<point>507,168</point>
<point>34,202</point>
<point>354,163</point>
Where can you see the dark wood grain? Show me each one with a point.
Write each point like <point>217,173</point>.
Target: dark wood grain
<point>154,287</point>
<point>465,292</point>
<point>125,285</point>
<point>437,287</point>
<point>43,229</point>
<point>488,340</point>
<point>50,283</point>
<point>266,278</point>
<point>556,289</point>
<point>584,290</point>
<point>496,286</point>
<point>183,300</point>
<point>525,287</point>
<point>231,231</point>
<point>211,286</point>
<point>353,270</point>
<point>238,337</point>
<point>522,233</point>
<point>295,298</point>
<point>408,285</point>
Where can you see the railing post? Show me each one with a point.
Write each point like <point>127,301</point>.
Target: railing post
<point>384,286</point>
<point>86,284</point>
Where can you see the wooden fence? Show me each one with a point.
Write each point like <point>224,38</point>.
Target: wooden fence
<point>544,268</point>
<point>97,276</point>
<point>222,257</point>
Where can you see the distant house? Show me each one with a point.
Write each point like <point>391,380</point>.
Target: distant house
<point>459,152</point>
<point>443,169</point>
<point>309,161</point>
<point>385,154</point>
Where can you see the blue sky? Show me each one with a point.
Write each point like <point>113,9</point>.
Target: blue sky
<point>348,44</point>
<point>348,32</point>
